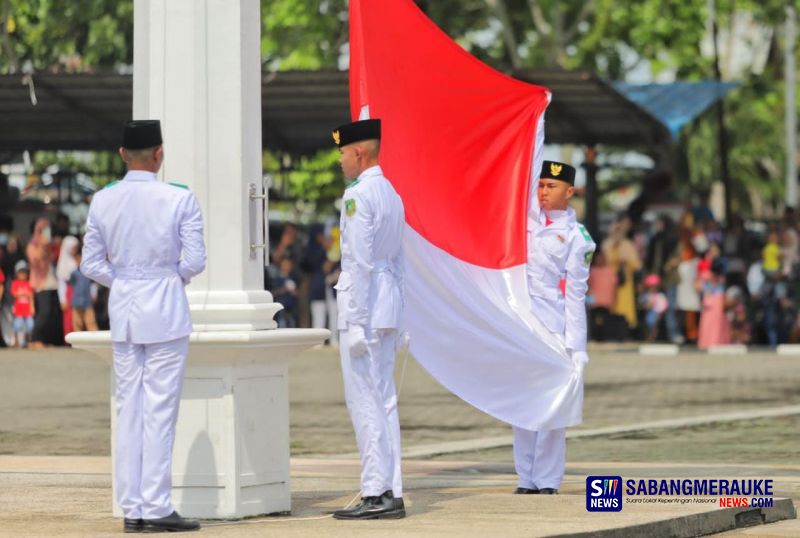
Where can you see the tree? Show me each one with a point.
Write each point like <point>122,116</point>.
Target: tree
<point>64,35</point>
<point>302,34</point>
<point>102,166</point>
<point>609,37</point>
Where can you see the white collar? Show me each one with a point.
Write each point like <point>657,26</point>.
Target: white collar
<point>567,214</point>
<point>556,214</point>
<point>140,175</point>
<point>371,171</point>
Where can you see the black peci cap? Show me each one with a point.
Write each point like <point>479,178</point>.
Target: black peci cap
<point>559,171</point>
<point>357,131</point>
<point>142,134</point>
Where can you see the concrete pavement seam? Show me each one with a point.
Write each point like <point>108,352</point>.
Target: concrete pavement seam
<point>485,443</point>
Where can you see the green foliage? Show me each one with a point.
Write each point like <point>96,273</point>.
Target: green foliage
<point>754,114</point>
<point>302,34</point>
<point>608,37</point>
<point>102,166</point>
<point>315,178</point>
<point>65,35</point>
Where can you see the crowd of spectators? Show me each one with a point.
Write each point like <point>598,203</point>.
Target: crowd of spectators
<point>304,268</point>
<point>697,281</point>
<point>690,280</point>
<point>43,295</point>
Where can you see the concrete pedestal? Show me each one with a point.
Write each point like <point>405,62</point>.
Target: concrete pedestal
<point>231,455</point>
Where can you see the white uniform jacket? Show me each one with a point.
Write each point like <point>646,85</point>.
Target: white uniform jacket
<point>560,251</point>
<point>370,286</point>
<point>144,240</point>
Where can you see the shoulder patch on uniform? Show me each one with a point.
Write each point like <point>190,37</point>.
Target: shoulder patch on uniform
<point>111,184</point>
<point>584,232</point>
<point>350,207</point>
<point>179,185</point>
<point>587,257</point>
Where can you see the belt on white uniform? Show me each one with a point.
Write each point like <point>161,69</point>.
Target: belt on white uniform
<point>145,273</point>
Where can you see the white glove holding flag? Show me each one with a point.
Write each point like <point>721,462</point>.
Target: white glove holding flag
<point>357,340</point>
<point>580,359</point>
<point>402,341</point>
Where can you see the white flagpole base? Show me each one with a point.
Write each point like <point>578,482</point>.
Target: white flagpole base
<point>231,453</point>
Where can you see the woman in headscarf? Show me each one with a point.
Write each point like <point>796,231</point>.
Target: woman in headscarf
<point>620,253</point>
<point>47,324</point>
<point>64,268</point>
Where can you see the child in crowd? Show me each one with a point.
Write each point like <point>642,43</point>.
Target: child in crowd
<point>711,255</point>
<point>715,329</point>
<point>655,305</point>
<point>84,294</point>
<point>771,255</point>
<point>602,283</point>
<point>24,309</point>
<point>737,315</point>
<point>776,308</point>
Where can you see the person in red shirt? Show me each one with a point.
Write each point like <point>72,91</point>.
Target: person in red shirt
<point>22,292</point>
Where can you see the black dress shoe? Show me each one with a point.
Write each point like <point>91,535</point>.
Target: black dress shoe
<point>172,523</point>
<point>526,491</point>
<point>382,507</point>
<point>133,525</point>
<point>351,513</point>
<point>548,491</point>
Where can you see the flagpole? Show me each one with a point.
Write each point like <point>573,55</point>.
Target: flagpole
<point>791,111</point>
<point>723,135</point>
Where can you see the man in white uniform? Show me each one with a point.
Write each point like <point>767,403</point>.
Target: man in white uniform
<point>370,303</point>
<point>144,240</point>
<point>560,253</point>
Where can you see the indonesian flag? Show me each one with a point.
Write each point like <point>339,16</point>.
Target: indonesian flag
<point>459,143</point>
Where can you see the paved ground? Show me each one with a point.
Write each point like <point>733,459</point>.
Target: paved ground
<point>70,496</point>
<point>55,403</point>
<point>761,441</point>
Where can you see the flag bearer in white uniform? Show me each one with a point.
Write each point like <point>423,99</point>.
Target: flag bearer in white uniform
<point>560,253</point>
<point>144,240</point>
<point>370,303</point>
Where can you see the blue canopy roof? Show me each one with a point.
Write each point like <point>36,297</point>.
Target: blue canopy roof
<point>676,103</point>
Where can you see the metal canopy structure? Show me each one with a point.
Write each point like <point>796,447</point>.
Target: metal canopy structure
<point>587,110</point>
<point>676,104</point>
<point>86,112</point>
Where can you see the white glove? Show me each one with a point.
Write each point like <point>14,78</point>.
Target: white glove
<point>402,341</point>
<point>580,359</point>
<point>357,340</point>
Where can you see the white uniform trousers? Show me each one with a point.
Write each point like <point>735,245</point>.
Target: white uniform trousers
<point>371,398</point>
<point>539,457</point>
<point>149,379</point>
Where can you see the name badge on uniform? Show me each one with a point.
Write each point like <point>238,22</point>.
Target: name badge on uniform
<point>350,207</point>
<point>561,238</point>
